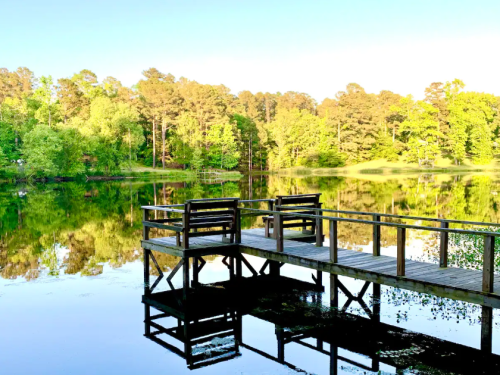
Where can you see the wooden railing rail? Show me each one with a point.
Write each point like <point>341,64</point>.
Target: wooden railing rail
<point>489,237</point>
<point>408,217</point>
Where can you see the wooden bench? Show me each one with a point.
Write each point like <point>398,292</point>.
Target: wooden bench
<point>199,214</point>
<point>289,221</point>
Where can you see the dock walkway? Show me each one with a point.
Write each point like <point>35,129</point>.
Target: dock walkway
<point>456,283</point>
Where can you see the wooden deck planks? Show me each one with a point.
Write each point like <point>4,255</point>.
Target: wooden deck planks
<point>420,276</point>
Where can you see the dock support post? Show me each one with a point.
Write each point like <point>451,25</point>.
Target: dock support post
<point>147,320</point>
<point>401,247</point>
<point>281,344</point>
<point>486,329</point>
<point>376,236</point>
<point>443,246</point>
<point>376,302</point>
<point>333,241</point>
<point>185,278</point>
<point>319,229</point>
<point>147,308</point>
<point>239,268</point>
<point>147,291</point>
<point>488,263</point>
<point>231,268</point>
<point>334,357</point>
<point>334,291</point>
<point>274,268</point>
<point>319,279</point>
<point>376,321</point>
<point>196,270</point>
<point>334,304</point>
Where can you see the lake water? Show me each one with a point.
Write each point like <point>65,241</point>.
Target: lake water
<point>72,280</point>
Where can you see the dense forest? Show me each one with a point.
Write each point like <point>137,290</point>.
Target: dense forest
<point>78,125</point>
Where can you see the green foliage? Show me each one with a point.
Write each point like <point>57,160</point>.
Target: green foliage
<point>385,148</point>
<point>168,120</point>
<point>71,158</point>
<point>47,111</point>
<point>421,130</point>
<point>223,152</point>
<point>42,149</point>
<point>197,160</point>
<point>4,161</point>
<point>8,146</point>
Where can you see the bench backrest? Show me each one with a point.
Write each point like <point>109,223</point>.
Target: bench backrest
<point>210,213</point>
<point>302,200</point>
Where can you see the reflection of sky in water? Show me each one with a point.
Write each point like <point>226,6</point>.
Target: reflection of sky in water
<point>81,325</point>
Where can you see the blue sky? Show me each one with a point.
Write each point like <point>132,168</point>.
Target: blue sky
<point>310,46</point>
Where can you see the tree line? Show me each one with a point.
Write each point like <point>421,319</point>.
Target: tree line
<point>79,125</point>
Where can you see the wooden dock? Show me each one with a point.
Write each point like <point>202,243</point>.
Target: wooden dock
<point>205,227</point>
<point>456,283</point>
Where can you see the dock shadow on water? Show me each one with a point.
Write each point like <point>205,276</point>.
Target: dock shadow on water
<point>72,283</point>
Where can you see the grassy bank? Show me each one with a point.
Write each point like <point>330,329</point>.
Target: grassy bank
<point>386,168</point>
<point>13,175</point>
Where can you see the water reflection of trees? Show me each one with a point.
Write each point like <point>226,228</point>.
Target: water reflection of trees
<point>97,223</point>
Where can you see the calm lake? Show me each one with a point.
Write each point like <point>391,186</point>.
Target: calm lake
<point>72,280</point>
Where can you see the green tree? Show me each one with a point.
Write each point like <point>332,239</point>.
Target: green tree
<point>420,128</point>
<point>72,101</point>
<point>471,117</point>
<point>42,149</point>
<point>223,151</point>
<point>48,109</point>
<point>197,160</point>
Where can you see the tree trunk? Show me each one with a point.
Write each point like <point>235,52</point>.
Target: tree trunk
<point>338,134</point>
<point>130,149</point>
<point>268,110</point>
<point>163,134</point>
<point>154,142</point>
<point>250,154</point>
<point>260,152</point>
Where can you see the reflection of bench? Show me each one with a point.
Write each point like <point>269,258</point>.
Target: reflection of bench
<point>214,338</point>
<point>289,221</point>
<point>199,214</point>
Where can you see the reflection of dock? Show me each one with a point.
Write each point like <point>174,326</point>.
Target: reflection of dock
<point>209,320</point>
<point>209,327</point>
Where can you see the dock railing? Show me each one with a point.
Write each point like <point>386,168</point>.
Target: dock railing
<point>280,212</point>
<point>333,221</point>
